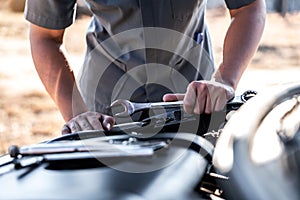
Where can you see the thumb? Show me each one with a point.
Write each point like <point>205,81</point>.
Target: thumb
<point>65,130</point>
<point>108,122</point>
<point>173,97</point>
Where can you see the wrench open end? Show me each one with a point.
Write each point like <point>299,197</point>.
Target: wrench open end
<point>126,105</point>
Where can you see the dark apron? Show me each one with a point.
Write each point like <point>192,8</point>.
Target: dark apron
<point>140,50</point>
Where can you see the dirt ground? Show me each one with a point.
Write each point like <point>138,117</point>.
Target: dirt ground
<point>28,115</point>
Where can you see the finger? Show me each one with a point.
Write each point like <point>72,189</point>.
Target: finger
<point>190,98</point>
<point>208,104</point>
<point>221,99</point>
<point>107,122</point>
<point>220,104</point>
<point>201,100</point>
<point>95,122</point>
<point>84,123</point>
<point>65,130</point>
<point>74,126</point>
<point>198,106</point>
<point>229,93</point>
<point>173,97</point>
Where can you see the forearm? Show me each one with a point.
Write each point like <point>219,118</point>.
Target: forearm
<point>241,42</point>
<point>54,71</point>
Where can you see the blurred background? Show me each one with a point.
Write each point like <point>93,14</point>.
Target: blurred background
<point>28,115</point>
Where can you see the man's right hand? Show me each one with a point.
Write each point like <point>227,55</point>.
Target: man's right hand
<point>88,121</point>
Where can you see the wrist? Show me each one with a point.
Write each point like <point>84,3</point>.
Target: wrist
<point>229,88</point>
<point>227,76</point>
<point>70,110</point>
<point>227,83</point>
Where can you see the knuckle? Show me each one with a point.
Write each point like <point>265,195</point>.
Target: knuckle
<point>95,122</point>
<point>65,129</point>
<point>73,125</point>
<point>80,117</point>
<point>194,84</point>
<point>188,108</point>
<point>85,125</point>
<point>197,110</point>
<point>90,113</point>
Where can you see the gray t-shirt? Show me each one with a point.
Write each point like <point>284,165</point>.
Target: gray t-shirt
<point>136,49</point>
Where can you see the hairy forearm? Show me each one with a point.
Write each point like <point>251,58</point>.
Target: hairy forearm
<point>54,72</point>
<point>241,42</point>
